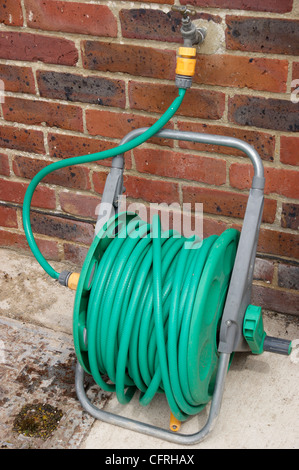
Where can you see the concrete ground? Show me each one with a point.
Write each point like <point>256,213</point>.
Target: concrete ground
<point>260,408</point>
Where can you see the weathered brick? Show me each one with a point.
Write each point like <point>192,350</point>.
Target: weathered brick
<point>117,125</point>
<point>288,276</point>
<point>273,35</point>
<point>18,242</point>
<point>295,74</point>
<point>70,177</point>
<point>263,270</point>
<point>65,146</point>
<point>155,24</point>
<point>278,180</point>
<point>268,113</point>
<point>99,179</point>
<point>225,203</point>
<point>126,58</point>
<point>75,253</point>
<point>275,6</point>
<point>71,17</point>
<point>151,190</point>
<point>14,191</point>
<point>79,204</point>
<point>179,165</point>
<point>11,13</point>
<point>59,227</point>
<point>157,98</point>
<point>27,140</point>
<point>278,243</point>
<point>18,79</point>
<point>285,302</point>
<point>263,143</point>
<point>35,47</point>
<point>73,87</point>
<point>8,217</point>
<point>289,150</point>
<point>4,165</point>
<point>37,112</point>
<point>290,215</point>
<point>257,73</point>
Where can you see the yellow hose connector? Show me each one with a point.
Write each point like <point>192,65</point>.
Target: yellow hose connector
<point>174,423</point>
<point>73,280</point>
<point>186,61</point>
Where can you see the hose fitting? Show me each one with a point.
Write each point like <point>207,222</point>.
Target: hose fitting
<point>185,67</point>
<point>192,35</point>
<point>69,279</point>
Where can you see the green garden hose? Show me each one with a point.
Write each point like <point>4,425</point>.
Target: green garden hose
<point>147,308</point>
<point>147,311</point>
<point>87,159</point>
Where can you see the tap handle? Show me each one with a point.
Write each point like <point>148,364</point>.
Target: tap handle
<point>184,10</point>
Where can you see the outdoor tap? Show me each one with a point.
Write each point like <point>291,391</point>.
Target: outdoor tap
<point>190,33</point>
<point>186,60</point>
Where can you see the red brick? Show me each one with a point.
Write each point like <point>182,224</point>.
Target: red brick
<point>278,180</point>
<point>11,13</point>
<point>18,79</point>
<point>117,125</point>
<point>288,276</point>
<point>271,113</point>
<point>256,73</point>
<point>272,35</point>
<point>295,75</point>
<point>151,190</point>
<point>71,17</point>
<point>99,180</point>
<point>73,87</point>
<point>71,177</point>
<point>225,203</point>
<point>157,98</point>
<point>275,6</point>
<point>8,217</point>
<point>37,112</point>
<point>276,300</point>
<point>126,58</point>
<point>35,47</point>
<point>59,227</point>
<point>278,243</point>
<point>263,270</point>
<point>27,140</point>
<point>289,150</point>
<point>75,253</point>
<point>14,191</point>
<point>155,24</point>
<point>65,146</point>
<point>4,165</point>
<point>79,204</point>
<point>290,216</point>
<point>213,226</point>
<point>263,143</point>
<point>179,165</point>
<point>17,241</point>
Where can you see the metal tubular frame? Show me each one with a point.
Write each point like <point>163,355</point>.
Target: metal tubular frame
<point>239,292</point>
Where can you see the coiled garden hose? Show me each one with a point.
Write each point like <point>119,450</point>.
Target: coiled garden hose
<point>87,159</point>
<point>147,311</point>
<point>147,308</point>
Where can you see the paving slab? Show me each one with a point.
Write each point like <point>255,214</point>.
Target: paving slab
<point>260,408</point>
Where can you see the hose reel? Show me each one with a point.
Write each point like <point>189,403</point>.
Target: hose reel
<point>147,311</point>
<point>179,337</point>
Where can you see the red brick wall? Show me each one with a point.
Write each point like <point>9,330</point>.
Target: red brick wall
<point>79,75</point>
